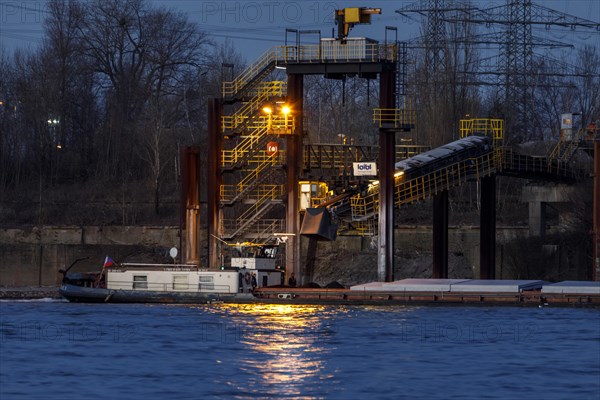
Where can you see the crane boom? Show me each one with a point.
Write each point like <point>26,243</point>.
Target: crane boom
<point>346,18</point>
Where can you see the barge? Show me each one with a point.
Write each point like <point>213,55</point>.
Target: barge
<point>260,282</point>
<point>169,283</point>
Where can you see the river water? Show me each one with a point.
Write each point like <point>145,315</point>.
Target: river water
<point>58,350</point>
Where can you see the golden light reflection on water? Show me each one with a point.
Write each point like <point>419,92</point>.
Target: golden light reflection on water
<point>286,342</point>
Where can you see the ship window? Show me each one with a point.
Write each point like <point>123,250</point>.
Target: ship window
<point>140,282</point>
<point>180,282</point>
<point>207,282</point>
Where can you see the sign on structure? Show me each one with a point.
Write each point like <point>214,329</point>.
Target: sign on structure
<point>566,121</point>
<point>365,169</point>
<point>272,148</point>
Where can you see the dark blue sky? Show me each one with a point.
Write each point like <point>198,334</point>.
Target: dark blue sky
<point>255,26</point>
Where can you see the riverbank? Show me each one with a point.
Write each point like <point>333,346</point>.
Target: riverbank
<point>29,292</point>
<point>34,257</point>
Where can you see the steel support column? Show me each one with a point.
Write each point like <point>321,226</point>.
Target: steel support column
<point>487,229</point>
<point>596,222</point>
<point>440,235</point>
<point>295,99</point>
<point>190,204</point>
<point>215,144</point>
<point>387,159</point>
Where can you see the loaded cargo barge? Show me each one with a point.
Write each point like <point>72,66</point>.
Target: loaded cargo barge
<point>443,292</point>
<point>261,283</point>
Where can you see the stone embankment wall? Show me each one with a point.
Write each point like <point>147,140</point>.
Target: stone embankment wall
<point>34,257</point>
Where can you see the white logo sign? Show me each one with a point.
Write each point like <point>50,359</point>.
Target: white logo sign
<point>365,169</point>
<point>566,121</point>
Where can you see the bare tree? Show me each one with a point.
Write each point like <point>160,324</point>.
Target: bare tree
<point>443,91</point>
<point>143,57</point>
<point>176,52</point>
<point>340,111</point>
<point>115,39</point>
<point>73,112</point>
<point>588,95</point>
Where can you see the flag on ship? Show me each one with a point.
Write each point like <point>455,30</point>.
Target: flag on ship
<point>108,262</point>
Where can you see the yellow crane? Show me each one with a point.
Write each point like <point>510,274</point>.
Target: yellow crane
<point>346,18</point>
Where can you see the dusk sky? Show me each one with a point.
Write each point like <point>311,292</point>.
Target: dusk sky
<point>255,26</point>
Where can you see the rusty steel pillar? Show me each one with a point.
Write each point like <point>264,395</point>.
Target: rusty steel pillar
<point>440,235</point>
<point>387,159</point>
<point>596,222</point>
<point>215,148</point>
<point>487,229</point>
<point>190,204</point>
<point>295,99</point>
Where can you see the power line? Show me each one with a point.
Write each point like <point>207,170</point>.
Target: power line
<point>511,30</point>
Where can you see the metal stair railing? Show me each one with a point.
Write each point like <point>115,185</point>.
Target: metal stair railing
<point>263,65</point>
<point>272,193</point>
<point>365,228</point>
<point>230,194</point>
<point>565,149</point>
<point>569,152</point>
<point>399,118</point>
<point>551,168</point>
<point>491,127</point>
<point>572,147</point>
<point>261,127</point>
<point>263,160</point>
<point>261,229</point>
<point>232,158</point>
<point>266,228</point>
<point>557,150</point>
<point>265,92</point>
<point>254,212</point>
<point>319,53</point>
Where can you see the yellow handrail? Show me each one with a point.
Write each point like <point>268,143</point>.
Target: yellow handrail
<point>310,54</point>
<point>491,127</point>
<point>266,91</point>
<point>269,194</point>
<point>421,187</point>
<point>233,156</point>
<point>396,117</point>
<point>264,161</point>
<point>229,192</point>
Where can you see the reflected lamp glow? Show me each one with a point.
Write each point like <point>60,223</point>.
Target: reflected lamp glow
<point>287,341</point>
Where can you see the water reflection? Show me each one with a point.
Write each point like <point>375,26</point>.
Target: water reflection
<point>286,344</point>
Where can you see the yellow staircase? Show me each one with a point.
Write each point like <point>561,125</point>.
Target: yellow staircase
<point>253,129</point>
<point>565,149</point>
<point>266,91</point>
